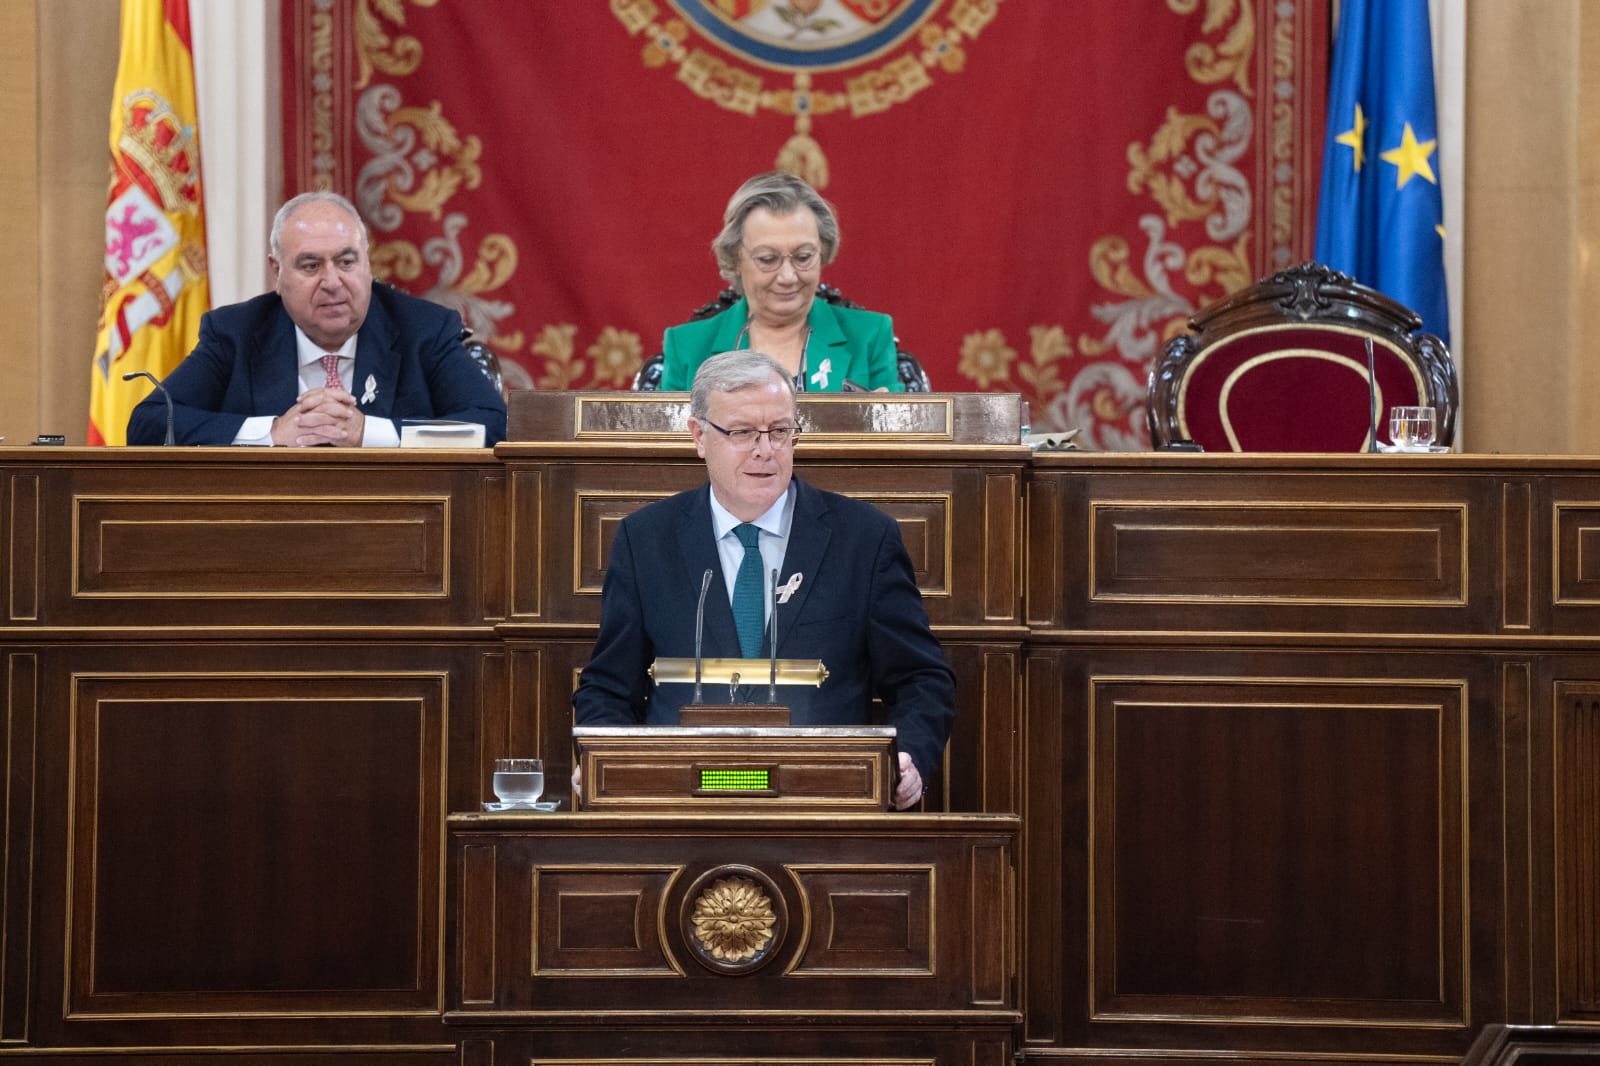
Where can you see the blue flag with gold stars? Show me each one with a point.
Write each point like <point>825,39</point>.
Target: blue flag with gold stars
<point>1381,218</point>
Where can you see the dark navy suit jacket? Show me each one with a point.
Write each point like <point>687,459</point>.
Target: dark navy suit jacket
<point>857,609</point>
<point>245,365</point>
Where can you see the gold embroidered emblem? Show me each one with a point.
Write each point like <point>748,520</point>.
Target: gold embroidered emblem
<point>806,58</point>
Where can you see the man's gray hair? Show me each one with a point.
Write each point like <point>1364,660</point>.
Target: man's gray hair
<point>732,371</point>
<point>781,194</point>
<point>316,196</point>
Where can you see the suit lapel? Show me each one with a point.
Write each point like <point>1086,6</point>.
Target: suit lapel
<point>828,345</point>
<point>809,533</point>
<point>271,346</point>
<point>730,324</point>
<point>698,550</point>
<point>375,359</point>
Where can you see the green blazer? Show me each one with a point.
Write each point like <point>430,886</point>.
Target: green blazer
<point>845,343</point>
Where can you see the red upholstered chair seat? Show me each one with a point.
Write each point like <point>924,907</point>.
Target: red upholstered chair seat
<point>1281,366</point>
<point>1292,389</point>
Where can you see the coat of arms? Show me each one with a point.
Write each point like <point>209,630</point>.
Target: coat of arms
<point>807,58</point>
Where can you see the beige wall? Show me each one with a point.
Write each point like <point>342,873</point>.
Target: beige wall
<point>1532,219</point>
<point>19,207</point>
<point>1531,364</point>
<point>59,65</point>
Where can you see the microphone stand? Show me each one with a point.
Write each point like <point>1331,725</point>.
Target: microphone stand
<point>771,713</point>
<point>772,678</point>
<point>699,630</point>
<point>1372,399</point>
<point>165,395</point>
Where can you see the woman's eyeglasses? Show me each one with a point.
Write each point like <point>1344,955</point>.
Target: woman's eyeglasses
<point>770,262</point>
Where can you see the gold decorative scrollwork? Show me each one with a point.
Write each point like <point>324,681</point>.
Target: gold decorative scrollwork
<point>1042,372</point>
<point>555,344</point>
<point>1208,63</point>
<point>1170,145</point>
<point>375,49</point>
<point>393,260</point>
<point>1193,169</point>
<point>441,142</point>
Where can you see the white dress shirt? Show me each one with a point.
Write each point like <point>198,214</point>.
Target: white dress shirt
<point>774,526</point>
<point>376,433</point>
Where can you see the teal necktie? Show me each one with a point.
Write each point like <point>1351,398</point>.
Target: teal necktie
<point>749,592</point>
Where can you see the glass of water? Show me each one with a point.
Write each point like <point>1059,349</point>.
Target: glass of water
<point>1412,428</point>
<point>519,781</point>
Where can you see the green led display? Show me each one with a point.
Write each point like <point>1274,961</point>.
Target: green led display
<point>727,780</point>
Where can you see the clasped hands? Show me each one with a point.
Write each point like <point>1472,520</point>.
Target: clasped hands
<point>321,416</point>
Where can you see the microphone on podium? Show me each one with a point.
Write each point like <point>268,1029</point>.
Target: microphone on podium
<point>735,673</point>
<point>1372,400</point>
<point>699,630</point>
<point>165,395</point>
<point>772,678</point>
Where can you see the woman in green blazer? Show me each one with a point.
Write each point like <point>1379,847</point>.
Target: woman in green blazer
<point>776,237</point>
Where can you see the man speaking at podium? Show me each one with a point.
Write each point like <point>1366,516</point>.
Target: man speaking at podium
<point>845,593</point>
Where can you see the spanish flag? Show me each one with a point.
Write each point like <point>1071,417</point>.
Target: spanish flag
<point>156,287</point>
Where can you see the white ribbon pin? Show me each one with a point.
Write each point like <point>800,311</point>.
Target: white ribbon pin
<point>788,588</point>
<point>372,390</point>
<point>820,378</point>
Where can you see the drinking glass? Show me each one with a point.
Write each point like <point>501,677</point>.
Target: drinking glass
<point>519,781</point>
<point>1412,428</point>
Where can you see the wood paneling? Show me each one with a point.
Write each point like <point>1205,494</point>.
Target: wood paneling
<point>1304,751</point>
<point>1317,732</point>
<point>268,784</point>
<point>1577,850</point>
<point>182,548</point>
<point>282,541</point>
<point>1237,816</point>
<point>871,921</point>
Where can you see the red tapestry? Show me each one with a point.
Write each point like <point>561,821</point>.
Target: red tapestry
<point>1039,191</point>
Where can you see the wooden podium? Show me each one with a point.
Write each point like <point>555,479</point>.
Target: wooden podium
<point>785,937</point>
<point>746,768</point>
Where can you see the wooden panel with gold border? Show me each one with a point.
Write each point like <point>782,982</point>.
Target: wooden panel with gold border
<point>193,540</point>
<point>1267,551</point>
<point>566,535</point>
<point>242,878</point>
<point>1575,826</point>
<point>874,915</point>
<point>1235,815</point>
<point>241,843</point>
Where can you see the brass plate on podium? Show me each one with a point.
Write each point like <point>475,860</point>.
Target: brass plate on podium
<point>735,768</point>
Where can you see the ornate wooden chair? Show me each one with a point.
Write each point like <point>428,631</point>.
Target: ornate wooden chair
<point>1282,366</point>
<point>912,376</point>
<point>485,359</point>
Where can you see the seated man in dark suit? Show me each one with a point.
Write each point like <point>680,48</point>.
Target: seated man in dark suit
<point>847,593</point>
<point>328,358</point>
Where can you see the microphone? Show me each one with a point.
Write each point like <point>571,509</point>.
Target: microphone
<point>1372,399</point>
<point>699,629</point>
<point>165,395</point>
<point>772,678</point>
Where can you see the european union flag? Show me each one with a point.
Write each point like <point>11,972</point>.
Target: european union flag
<point>1381,218</point>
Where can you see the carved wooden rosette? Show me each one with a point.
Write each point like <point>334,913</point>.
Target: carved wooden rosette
<point>734,919</point>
